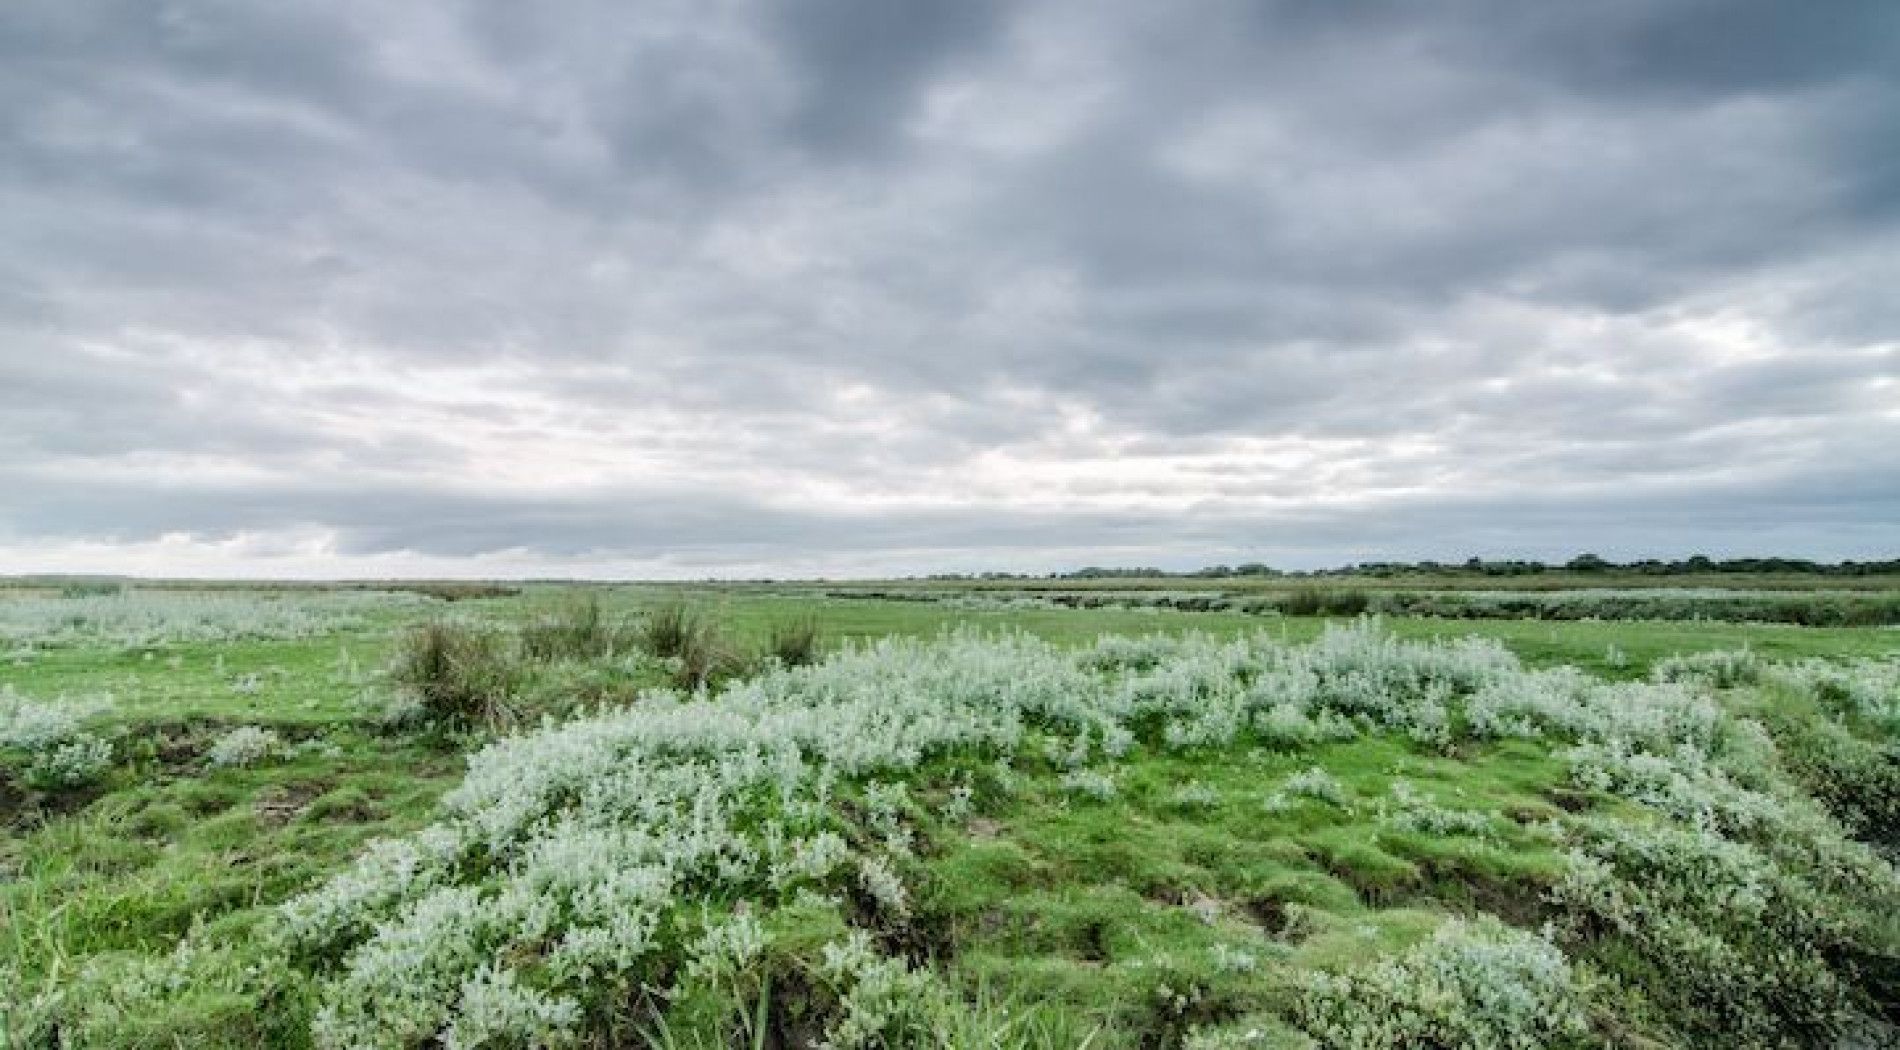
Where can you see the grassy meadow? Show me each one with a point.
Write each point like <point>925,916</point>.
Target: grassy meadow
<point>928,813</point>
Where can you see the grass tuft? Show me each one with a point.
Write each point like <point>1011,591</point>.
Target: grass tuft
<point>669,629</point>
<point>575,630</point>
<point>795,642</point>
<point>461,673</point>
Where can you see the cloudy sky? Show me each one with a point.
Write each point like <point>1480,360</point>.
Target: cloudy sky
<point>344,287</point>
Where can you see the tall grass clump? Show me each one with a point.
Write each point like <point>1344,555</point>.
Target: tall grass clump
<point>576,630</point>
<point>794,642</point>
<point>1315,601</point>
<point>699,651</point>
<point>461,675</point>
<point>669,629</point>
<point>196,994</point>
<point>708,655</point>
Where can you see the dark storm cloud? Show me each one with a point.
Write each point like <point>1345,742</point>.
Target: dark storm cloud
<point>846,283</point>
<point>861,66</point>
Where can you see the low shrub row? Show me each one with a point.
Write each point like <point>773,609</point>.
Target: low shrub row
<point>1810,610</point>
<point>1805,609</point>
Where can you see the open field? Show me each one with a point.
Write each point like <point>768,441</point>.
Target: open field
<point>1553,580</point>
<point>1815,601</point>
<point>605,816</point>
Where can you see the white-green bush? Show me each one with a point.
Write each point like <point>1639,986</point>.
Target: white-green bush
<point>1310,783</point>
<point>882,1002</point>
<point>1862,691</point>
<point>1090,783</point>
<point>1194,796</point>
<point>1289,726</point>
<point>1722,669</point>
<point>32,725</point>
<point>71,763</point>
<point>1408,810</point>
<point>1229,959</point>
<point>1743,941</point>
<point>1206,692</point>
<point>244,746</point>
<point>142,618</point>
<point>1566,704</point>
<point>1116,652</point>
<point>50,741</point>
<point>1473,984</point>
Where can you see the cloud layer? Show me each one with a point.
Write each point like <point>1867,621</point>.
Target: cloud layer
<point>836,287</point>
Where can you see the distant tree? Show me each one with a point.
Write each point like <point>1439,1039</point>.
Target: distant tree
<point>1587,563</point>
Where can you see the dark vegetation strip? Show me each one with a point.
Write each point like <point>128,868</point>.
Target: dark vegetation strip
<point>1808,610</point>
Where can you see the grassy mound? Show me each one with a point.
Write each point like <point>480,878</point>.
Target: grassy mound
<point>991,841</point>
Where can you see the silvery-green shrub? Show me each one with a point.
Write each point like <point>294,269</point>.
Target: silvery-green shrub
<point>1473,984</point>
<point>243,746</point>
<point>55,748</point>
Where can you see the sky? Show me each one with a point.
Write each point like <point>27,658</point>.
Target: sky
<point>739,288</point>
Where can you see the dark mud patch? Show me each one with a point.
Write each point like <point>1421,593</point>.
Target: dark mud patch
<point>1521,903</point>
<point>1276,919</point>
<point>277,806</point>
<point>24,808</point>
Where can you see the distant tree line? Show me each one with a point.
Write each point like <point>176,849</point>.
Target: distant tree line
<point>1582,563</point>
<point>1695,565</point>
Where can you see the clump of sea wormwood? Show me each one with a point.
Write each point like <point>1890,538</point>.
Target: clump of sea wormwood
<point>1722,669</point>
<point>1311,783</point>
<point>1090,783</point>
<point>244,746</point>
<point>1474,984</point>
<point>54,748</point>
<point>1195,796</point>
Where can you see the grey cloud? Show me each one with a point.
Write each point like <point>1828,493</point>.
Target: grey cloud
<point>847,264</point>
<point>1709,47</point>
<point>714,528</point>
<point>861,66</point>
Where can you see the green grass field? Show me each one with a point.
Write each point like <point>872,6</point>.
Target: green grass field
<point>1364,853</point>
